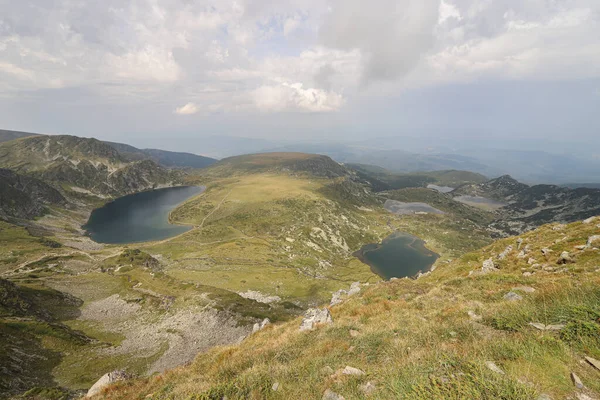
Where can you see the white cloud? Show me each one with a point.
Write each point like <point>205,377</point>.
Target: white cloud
<point>293,97</point>
<point>188,109</point>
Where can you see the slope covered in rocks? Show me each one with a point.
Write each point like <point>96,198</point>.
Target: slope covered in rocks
<point>519,319</point>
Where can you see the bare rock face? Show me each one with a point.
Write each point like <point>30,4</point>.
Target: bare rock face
<point>314,316</point>
<point>260,326</point>
<point>106,380</point>
<point>488,266</point>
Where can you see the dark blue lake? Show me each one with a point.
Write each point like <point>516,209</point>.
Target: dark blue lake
<point>140,217</point>
<point>400,255</point>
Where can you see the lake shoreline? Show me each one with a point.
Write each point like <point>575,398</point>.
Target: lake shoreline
<point>414,244</point>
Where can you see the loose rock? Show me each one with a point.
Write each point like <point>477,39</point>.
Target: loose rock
<point>564,258</point>
<point>260,326</point>
<point>512,296</point>
<point>474,316</point>
<point>368,388</point>
<point>331,395</point>
<point>576,381</point>
<point>352,371</point>
<point>275,386</point>
<point>354,333</point>
<point>314,316</point>
<point>493,367</point>
<point>595,363</point>
<point>488,266</point>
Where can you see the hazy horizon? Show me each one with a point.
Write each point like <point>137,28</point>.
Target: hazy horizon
<point>168,73</point>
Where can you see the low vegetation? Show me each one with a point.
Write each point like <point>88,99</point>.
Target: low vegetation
<point>452,334</point>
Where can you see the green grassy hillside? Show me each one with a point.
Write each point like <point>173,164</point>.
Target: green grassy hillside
<point>518,331</point>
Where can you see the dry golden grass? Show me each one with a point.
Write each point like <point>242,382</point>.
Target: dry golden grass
<point>416,339</point>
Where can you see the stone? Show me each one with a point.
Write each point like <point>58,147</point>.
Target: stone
<point>512,296</point>
<point>581,247</point>
<point>331,395</point>
<point>519,243</point>
<point>354,289</point>
<point>538,325</point>
<point>106,380</point>
<point>315,316</point>
<point>583,396</point>
<point>589,220</point>
<point>337,297</point>
<point>593,362</point>
<point>275,386</point>
<point>505,253</point>
<point>521,254</point>
<point>260,326</point>
<point>352,371</point>
<point>493,367</point>
<point>526,289</point>
<point>527,273</point>
<point>546,251</point>
<point>488,266</point>
<point>531,261</point>
<point>577,381</point>
<point>592,239</point>
<point>564,258</point>
<point>559,227</point>
<point>474,316</point>
<point>354,333</point>
<point>368,388</point>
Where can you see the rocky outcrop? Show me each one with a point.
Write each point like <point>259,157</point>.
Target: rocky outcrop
<point>106,380</point>
<point>314,317</point>
<point>25,197</point>
<point>259,326</point>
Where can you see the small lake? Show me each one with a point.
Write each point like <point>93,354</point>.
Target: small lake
<point>441,189</point>
<point>140,217</point>
<point>400,255</point>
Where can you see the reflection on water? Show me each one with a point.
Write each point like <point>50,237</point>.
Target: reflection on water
<point>139,217</point>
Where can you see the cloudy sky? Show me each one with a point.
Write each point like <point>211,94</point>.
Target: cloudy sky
<point>140,71</point>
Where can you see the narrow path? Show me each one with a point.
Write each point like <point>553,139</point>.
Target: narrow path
<point>213,211</point>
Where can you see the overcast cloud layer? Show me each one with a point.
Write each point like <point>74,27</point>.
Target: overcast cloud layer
<point>334,68</point>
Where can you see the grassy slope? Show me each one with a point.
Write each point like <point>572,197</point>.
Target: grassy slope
<point>416,340</point>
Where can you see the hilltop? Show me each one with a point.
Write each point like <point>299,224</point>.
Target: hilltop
<point>490,324</point>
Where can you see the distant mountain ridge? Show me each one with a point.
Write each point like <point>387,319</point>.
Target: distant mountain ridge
<point>82,165</point>
<point>8,135</point>
<point>169,159</point>
<point>531,206</point>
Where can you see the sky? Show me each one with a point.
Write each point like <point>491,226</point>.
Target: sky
<point>145,71</point>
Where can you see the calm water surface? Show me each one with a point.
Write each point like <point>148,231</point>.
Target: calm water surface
<point>139,217</point>
<point>400,255</point>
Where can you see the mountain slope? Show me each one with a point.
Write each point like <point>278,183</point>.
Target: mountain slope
<point>6,135</point>
<point>25,197</point>
<point>517,331</point>
<point>531,206</point>
<point>83,165</point>
<point>169,159</point>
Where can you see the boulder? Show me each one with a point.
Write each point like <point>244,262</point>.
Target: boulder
<point>260,326</point>
<point>331,395</point>
<point>352,371</point>
<point>505,253</point>
<point>593,362</point>
<point>493,367</point>
<point>315,316</point>
<point>488,266</point>
<point>106,380</point>
<point>577,381</point>
<point>337,297</point>
<point>592,239</point>
<point>564,258</point>
<point>589,220</point>
<point>512,296</point>
<point>354,289</point>
<point>368,388</point>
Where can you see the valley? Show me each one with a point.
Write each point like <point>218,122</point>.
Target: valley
<point>254,237</point>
